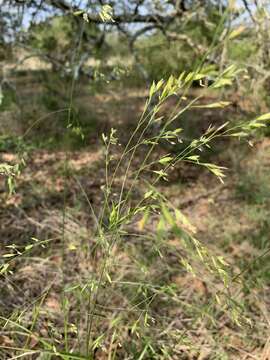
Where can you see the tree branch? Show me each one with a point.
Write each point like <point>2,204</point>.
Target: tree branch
<point>120,18</point>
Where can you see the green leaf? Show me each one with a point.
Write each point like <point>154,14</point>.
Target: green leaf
<point>193,76</point>
<point>78,13</point>
<point>148,194</point>
<point>104,138</point>
<point>113,215</point>
<point>253,125</point>
<point>222,82</point>
<point>162,174</point>
<point>165,160</point>
<point>239,134</point>
<point>216,170</point>
<point>159,84</point>
<point>152,89</point>
<point>143,221</point>
<point>263,117</point>
<point>220,104</point>
<point>194,158</point>
<point>1,96</point>
<point>106,13</point>
<point>167,215</point>
<point>236,32</point>
<point>4,268</point>
<point>180,217</point>
<point>85,17</point>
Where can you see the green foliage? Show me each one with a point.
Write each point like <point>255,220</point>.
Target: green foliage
<point>57,39</point>
<point>242,49</point>
<point>53,36</point>
<point>253,187</point>
<point>162,56</point>
<point>9,143</point>
<point>161,59</point>
<point>7,98</point>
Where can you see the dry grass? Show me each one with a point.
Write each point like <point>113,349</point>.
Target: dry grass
<point>40,278</point>
<point>54,280</point>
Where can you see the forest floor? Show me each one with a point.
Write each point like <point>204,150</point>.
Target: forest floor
<point>232,219</point>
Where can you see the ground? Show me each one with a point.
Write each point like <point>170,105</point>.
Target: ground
<point>51,210</point>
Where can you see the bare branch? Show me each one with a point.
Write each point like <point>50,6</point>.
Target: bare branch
<point>127,18</point>
<point>248,10</point>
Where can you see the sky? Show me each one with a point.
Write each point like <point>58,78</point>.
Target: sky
<point>42,15</point>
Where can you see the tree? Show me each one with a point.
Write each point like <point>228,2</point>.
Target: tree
<point>56,26</point>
